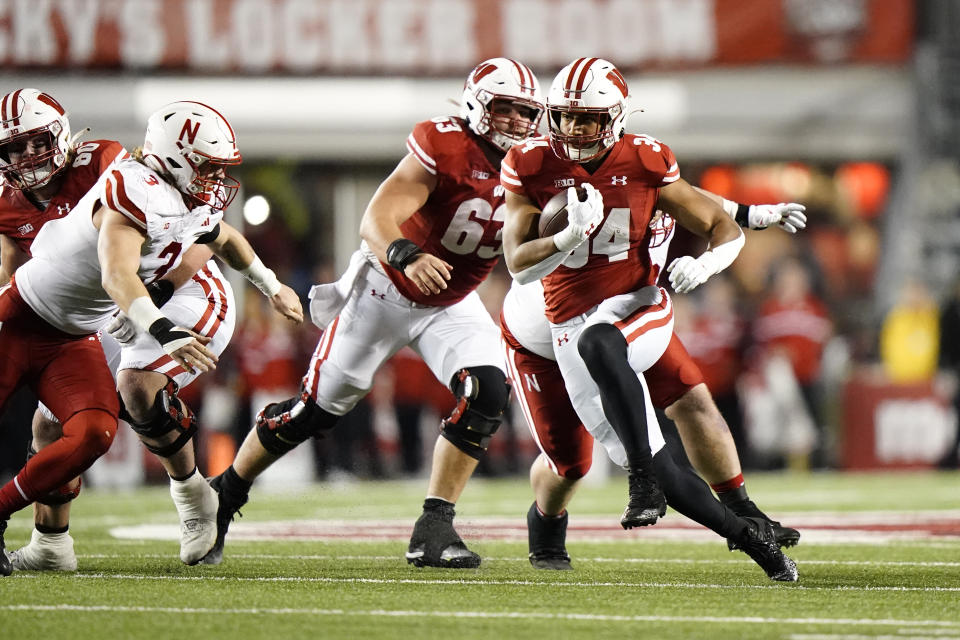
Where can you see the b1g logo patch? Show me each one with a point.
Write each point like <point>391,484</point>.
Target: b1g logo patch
<point>563,183</point>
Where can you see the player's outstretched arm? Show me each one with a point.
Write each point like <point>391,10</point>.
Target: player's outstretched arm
<point>789,216</point>
<point>230,245</point>
<point>118,249</point>
<point>400,196</point>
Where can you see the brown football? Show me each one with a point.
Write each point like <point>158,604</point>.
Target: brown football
<point>553,217</point>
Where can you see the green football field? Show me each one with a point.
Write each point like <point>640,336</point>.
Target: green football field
<point>879,558</point>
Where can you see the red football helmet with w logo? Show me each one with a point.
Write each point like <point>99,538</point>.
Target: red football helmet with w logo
<point>193,144</point>
<point>509,81</point>
<point>587,86</point>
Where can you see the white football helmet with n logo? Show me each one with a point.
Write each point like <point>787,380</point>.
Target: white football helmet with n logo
<point>505,80</point>
<point>31,119</point>
<point>587,86</point>
<point>193,144</point>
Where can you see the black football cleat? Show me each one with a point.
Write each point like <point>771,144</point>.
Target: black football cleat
<point>547,536</point>
<point>6,567</point>
<point>229,503</point>
<point>758,542</point>
<point>646,503</point>
<point>785,536</point>
<point>435,543</point>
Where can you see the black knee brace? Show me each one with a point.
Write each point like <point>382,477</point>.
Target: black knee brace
<point>281,426</point>
<point>483,394</point>
<point>167,414</point>
<point>62,494</point>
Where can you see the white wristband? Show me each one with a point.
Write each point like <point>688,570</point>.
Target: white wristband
<point>727,252</point>
<point>730,207</point>
<point>143,313</point>
<point>262,278</point>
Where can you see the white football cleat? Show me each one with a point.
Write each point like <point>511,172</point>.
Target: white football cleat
<point>45,552</point>
<point>197,505</point>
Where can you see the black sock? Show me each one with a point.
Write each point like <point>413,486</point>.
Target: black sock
<point>45,529</point>
<point>734,495</point>
<point>432,504</point>
<point>604,351</point>
<point>689,495</point>
<point>189,475</point>
<point>233,483</point>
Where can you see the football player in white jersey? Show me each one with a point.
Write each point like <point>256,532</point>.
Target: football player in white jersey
<point>130,230</point>
<point>45,173</point>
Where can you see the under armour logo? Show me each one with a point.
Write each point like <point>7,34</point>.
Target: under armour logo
<point>374,293</point>
<point>151,180</point>
<point>562,339</point>
<point>63,209</point>
<point>615,180</point>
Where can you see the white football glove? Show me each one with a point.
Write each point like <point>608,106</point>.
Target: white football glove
<point>687,273</point>
<point>583,218</point>
<point>789,215</point>
<point>122,328</point>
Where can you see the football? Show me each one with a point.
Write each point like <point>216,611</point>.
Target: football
<point>553,217</point>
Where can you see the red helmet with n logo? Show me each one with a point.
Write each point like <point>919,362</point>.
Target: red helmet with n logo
<point>193,144</point>
<point>587,86</point>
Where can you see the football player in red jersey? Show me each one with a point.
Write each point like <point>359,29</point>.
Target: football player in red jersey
<point>609,320</point>
<point>44,174</point>
<point>431,234</point>
<point>675,384</point>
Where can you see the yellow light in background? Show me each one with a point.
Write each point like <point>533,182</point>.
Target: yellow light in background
<point>256,210</point>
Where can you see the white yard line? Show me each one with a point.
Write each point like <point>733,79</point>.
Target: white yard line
<point>487,583</point>
<point>942,624</point>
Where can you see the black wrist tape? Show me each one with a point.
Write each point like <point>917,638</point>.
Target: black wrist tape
<point>165,331</point>
<point>402,252</point>
<point>743,215</point>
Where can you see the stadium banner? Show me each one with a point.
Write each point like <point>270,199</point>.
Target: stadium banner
<point>894,426</point>
<point>437,37</point>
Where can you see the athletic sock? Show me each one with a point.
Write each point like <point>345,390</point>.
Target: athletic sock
<point>50,530</point>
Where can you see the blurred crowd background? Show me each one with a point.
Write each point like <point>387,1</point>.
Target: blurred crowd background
<point>832,349</point>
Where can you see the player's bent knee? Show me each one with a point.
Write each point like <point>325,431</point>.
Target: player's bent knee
<point>576,471</point>
<point>137,403</point>
<point>93,431</point>
<point>282,426</point>
<point>600,342</point>
<point>695,404</point>
<point>167,415</point>
<point>483,394</point>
